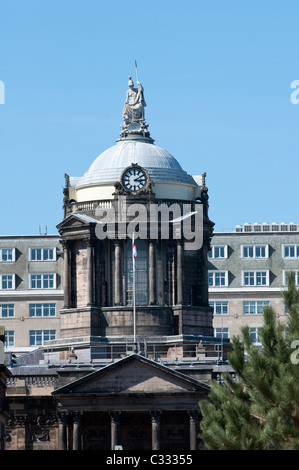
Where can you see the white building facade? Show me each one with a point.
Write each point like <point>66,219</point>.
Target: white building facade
<point>31,290</point>
<point>247,271</point>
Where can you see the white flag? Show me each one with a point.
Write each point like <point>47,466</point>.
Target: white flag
<point>134,252</point>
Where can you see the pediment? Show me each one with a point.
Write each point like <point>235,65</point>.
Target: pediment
<point>76,220</point>
<point>134,375</point>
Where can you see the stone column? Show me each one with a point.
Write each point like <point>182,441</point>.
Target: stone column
<point>180,247</point>
<point>115,418</point>
<point>67,280</point>
<point>151,277</point>
<point>156,417</point>
<point>77,431</point>
<point>62,431</point>
<point>90,263</point>
<point>117,273</point>
<point>205,281</point>
<point>193,419</point>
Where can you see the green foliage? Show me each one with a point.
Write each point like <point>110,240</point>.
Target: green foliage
<point>260,409</point>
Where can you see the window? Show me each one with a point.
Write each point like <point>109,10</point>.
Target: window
<point>7,255</point>
<point>9,338</point>
<point>221,332</point>
<point>285,280</point>
<point>38,337</point>
<point>218,278</point>
<point>254,307</point>
<point>42,254</point>
<point>218,251</point>
<point>255,278</point>
<point>290,251</point>
<point>43,281</point>
<point>7,310</point>
<point>140,273</point>
<point>254,334</point>
<point>254,251</point>
<point>42,310</point>
<point>220,307</point>
<point>286,310</point>
<point>7,281</point>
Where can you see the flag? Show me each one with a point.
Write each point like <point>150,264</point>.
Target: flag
<point>134,252</point>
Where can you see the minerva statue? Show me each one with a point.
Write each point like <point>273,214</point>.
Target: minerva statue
<point>134,105</point>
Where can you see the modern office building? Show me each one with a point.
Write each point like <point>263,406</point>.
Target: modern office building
<point>31,290</point>
<point>247,270</point>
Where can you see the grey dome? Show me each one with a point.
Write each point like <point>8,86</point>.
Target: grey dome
<point>108,166</point>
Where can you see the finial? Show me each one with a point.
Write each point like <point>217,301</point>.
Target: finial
<point>67,180</point>
<point>203,180</point>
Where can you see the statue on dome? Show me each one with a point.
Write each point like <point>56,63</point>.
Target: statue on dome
<point>133,111</point>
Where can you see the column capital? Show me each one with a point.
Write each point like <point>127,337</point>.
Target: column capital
<point>155,414</point>
<point>65,243</point>
<point>194,414</point>
<point>90,241</point>
<point>77,416</point>
<point>62,417</point>
<point>115,415</point>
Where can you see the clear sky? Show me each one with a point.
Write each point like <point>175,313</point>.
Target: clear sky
<point>217,77</point>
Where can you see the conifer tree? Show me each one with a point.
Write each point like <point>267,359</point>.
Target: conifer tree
<point>259,409</point>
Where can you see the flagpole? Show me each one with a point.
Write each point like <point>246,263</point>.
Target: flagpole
<point>134,296</point>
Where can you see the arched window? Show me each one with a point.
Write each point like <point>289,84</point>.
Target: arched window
<point>141,270</point>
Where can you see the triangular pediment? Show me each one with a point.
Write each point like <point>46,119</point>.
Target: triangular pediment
<point>134,375</point>
<point>76,220</point>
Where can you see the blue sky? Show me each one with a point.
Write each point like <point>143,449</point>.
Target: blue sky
<point>217,77</point>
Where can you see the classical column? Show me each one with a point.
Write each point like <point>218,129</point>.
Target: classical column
<point>89,243</point>
<point>62,431</point>
<point>156,416</point>
<point>67,280</point>
<point>117,273</point>
<point>77,434</point>
<point>180,247</point>
<point>152,273</point>
<point>115,418</point>
<point>205,281</point>
<point>193,419</point>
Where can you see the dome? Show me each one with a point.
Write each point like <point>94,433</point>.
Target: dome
<point>160,164</point>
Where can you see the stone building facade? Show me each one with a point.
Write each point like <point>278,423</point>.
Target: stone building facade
<point>136,351</point>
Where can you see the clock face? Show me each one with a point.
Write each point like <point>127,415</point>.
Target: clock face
<point>134,179</point>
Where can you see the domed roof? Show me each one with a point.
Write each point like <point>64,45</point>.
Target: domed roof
<point>108,166</point>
